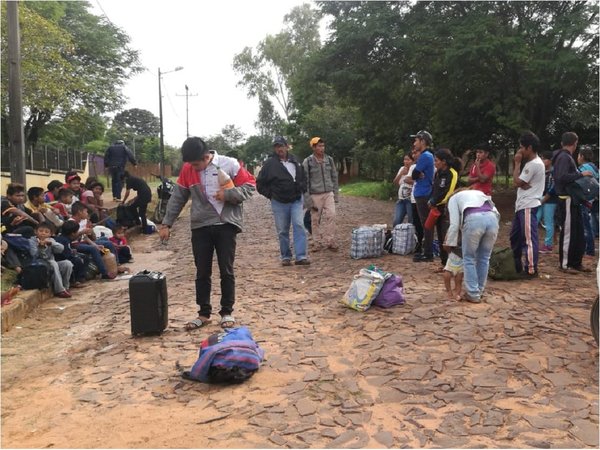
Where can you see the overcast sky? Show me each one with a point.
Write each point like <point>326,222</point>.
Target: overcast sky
<point>203,37</point>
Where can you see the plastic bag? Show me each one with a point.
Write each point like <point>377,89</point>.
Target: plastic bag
<point>363,290</point>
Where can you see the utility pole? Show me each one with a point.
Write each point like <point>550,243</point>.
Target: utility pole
<point>187,122</point>
<point>160,113</point>
<point>17,137</point>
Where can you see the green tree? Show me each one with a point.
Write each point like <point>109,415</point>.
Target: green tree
<point>70,59</point>
<point>232,135</point>
<point>256,149</point>
<point>266,72</point>
<point>137,122</point>
<point>464,70</point>
<point>74,130</point>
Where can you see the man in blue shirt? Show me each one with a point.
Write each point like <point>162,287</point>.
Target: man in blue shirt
<point>423,177</point>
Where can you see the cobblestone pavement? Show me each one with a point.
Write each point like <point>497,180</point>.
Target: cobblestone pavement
<point>518,370</point>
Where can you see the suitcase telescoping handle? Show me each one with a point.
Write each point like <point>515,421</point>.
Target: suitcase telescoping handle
<point>150,274</point>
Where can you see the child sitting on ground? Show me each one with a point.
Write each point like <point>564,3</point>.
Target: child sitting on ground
<point>42,246</point>
<point>63,206</point>
<point>119,240</point>
<point>453,270</point>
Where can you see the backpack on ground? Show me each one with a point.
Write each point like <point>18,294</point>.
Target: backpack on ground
<point>404,239</point>
<point>502,265</point>
<point>35,275</point>
<point>363,290</point>
<point>367,242</point>
<point>231,356</point>
<point>127,216</point>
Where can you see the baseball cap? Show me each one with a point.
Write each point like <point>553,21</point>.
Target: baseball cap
<point>279,140</point>
<point>73,177</point>
<point>315,141</point>
<point>423,134</point>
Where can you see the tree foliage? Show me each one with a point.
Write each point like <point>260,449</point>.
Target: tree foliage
<point>137,122</point>
<point>463,70</point>
<point>71,59</point>
<point>267,71</point>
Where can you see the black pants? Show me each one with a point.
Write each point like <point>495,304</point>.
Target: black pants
<point>423,209</point>
<point>115,180</point>
<point>441,226</point>
<point>141,206</point>
<point>572,236</point>
<point>205,241</point>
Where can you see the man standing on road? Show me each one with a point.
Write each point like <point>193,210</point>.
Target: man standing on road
<point>483,170</point>
<point>216,217</point>
<point>572,238</point>
<point>530,183</point>
<point>282,180</point>
<point>115,159</point>
<point>423,176</point>
<point>322,195</point>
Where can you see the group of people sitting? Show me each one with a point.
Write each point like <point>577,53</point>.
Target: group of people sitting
<point>56,226</point>
<point>429,197</point>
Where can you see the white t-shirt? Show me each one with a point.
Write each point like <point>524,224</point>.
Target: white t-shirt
<point>412,191</point>
<point>404,189</point>
<point>291,168</point>
<point>533,173</point>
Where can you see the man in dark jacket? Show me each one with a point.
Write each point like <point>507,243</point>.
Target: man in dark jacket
<point>572,239</point>
<point>282,180</point>
<point>115,159</point>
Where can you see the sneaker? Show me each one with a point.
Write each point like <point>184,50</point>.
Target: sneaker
<point>286,262</point>
<point>78,284</point>
<point>302,262</point>
<point>64,294</point>
<point>546,249</point>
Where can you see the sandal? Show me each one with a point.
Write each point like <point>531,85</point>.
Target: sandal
<point>197,323</point>
<point>227,321</point>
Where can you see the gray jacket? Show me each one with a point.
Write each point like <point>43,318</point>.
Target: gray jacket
<point>321,178</point>
<point>201,188</point>
<point>46,252</point>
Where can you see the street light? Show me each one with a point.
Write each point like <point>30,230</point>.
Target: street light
<point>160,114</point>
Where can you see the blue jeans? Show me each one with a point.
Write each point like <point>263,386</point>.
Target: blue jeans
<point>403,209</point>
<point>546,212</point>
<point>479,233</point>
<point>94,253</point>
<point>586,218</point>
<point>284,215</point>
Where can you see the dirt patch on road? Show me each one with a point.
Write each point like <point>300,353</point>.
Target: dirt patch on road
<point>518,370</point>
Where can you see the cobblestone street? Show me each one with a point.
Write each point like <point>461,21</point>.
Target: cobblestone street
<point>518,370</point>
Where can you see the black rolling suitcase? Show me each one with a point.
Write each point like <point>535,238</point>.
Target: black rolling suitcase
<point>148,303</point>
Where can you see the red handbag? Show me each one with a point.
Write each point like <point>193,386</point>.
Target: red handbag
<point>432,218</point>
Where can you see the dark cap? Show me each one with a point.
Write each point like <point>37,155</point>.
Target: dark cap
<point>279,140</point>
<point>425,135</point>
